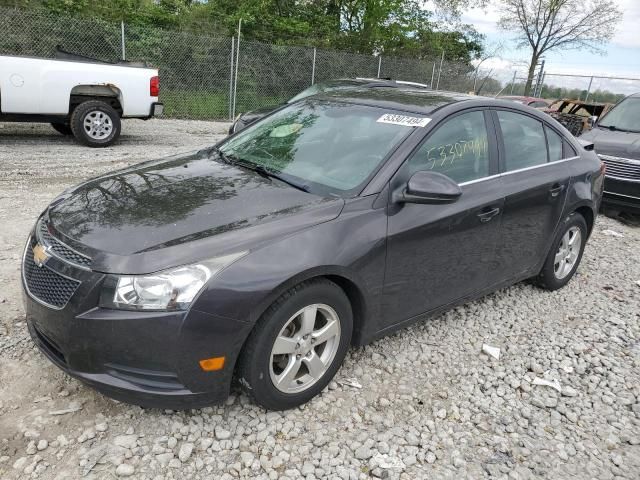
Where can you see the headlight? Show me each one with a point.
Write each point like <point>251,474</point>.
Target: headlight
<point>172,289</point>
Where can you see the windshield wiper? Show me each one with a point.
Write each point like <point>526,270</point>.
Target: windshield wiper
<point>613,128</point>
<point>260,170</point>
<point>268,173</point>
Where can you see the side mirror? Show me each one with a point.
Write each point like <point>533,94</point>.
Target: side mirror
<point>428,187</point>
<point>592,121</point>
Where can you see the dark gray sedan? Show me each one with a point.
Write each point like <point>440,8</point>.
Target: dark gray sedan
<point>332,222</point>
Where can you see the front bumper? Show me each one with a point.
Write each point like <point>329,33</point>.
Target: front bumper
<point>145,358</point>
<point>622,194</point>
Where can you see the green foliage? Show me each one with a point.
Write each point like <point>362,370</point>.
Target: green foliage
<point>390,27</point>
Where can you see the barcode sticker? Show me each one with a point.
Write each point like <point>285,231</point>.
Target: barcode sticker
<point>405,120</point>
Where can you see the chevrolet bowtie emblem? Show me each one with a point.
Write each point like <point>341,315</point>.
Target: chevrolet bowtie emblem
<point>40,255</point>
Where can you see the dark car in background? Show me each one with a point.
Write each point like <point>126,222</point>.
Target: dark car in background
<point>334,221</point>
<point>243,120</point>
<point>616,139</point>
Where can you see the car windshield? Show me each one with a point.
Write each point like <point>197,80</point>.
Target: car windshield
<point>624,116</point>
<point>324,87</point>
<point>326,147</point>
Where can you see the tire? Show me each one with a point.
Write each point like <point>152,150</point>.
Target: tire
<point>62,128</point>
<point>259,370</point>
<point>556,274</point>
<point>101,135</point>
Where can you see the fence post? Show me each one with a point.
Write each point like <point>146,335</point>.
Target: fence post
<point>235,84</point>
<point>233,47</point>
<point>440,70</point>
<point>379,64</point>
<point>313,67</point>
<point>433,74</point>
<point>124,52</point>
<point>589,89</point>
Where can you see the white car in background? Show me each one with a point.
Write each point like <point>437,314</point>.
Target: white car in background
<point>79,96</point>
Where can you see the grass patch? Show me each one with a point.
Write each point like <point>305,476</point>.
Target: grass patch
<point>206,105</point>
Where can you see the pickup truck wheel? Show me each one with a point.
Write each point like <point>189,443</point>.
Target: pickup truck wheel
<point>95,124</point>
<point>62,128</point>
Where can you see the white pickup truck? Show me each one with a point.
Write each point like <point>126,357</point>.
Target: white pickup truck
<point>79,96</point>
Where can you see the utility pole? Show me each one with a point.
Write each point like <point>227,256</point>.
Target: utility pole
<point>513,82</point>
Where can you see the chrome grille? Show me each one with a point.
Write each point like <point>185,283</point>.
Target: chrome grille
<point>46,285</point>
<point>622,168</point>
<point>59,249</point>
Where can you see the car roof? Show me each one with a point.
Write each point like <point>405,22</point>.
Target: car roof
<point>397,98</point>
<point>522,97</point>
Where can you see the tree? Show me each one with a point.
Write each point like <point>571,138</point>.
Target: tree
<point>545,25</point>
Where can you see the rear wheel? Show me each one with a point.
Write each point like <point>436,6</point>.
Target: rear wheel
<point>95,124</point>
<point>297,346</point>
<point>565,253</point>
<point>62,128</point>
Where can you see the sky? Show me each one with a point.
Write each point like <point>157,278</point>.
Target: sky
<point>622,56</point>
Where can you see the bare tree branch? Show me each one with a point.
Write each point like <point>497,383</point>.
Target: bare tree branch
<point>544,25</point>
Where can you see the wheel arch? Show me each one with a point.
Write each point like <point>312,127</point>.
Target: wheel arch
<point>107,93</point>
<point>353,287</point>
<point>589,216</point>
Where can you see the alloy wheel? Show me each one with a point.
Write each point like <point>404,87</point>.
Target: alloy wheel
<point>568,253</point>
<point>305,348</point>
<point>98,125</point>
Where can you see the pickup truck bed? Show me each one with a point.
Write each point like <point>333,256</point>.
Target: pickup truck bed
<point>79,96</point>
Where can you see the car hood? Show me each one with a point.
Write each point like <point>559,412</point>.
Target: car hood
<point>180,210</point>
<point>619,144</point>
<point>253,115</point>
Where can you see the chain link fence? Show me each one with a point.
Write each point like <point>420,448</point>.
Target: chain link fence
<point>209,77</point>
<point>588,88</point>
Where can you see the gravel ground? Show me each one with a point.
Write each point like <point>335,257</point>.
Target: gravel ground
<point>424,403</point>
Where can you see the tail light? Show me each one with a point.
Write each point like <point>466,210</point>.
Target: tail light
<point>154,86</point>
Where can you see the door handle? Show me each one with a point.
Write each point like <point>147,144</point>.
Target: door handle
<point>488,213</point>
<point>556,190</point>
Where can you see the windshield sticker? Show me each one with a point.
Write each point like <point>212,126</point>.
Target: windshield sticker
<point>405,120</point>
<point>285,130</point>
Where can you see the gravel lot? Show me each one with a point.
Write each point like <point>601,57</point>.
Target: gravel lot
<point>424,403</point>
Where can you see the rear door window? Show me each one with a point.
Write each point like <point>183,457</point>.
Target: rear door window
<point>524,141</point>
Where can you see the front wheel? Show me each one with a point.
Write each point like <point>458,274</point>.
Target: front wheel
<point>95,124</point>
<point>297,346</point>
<point>565,254</point>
